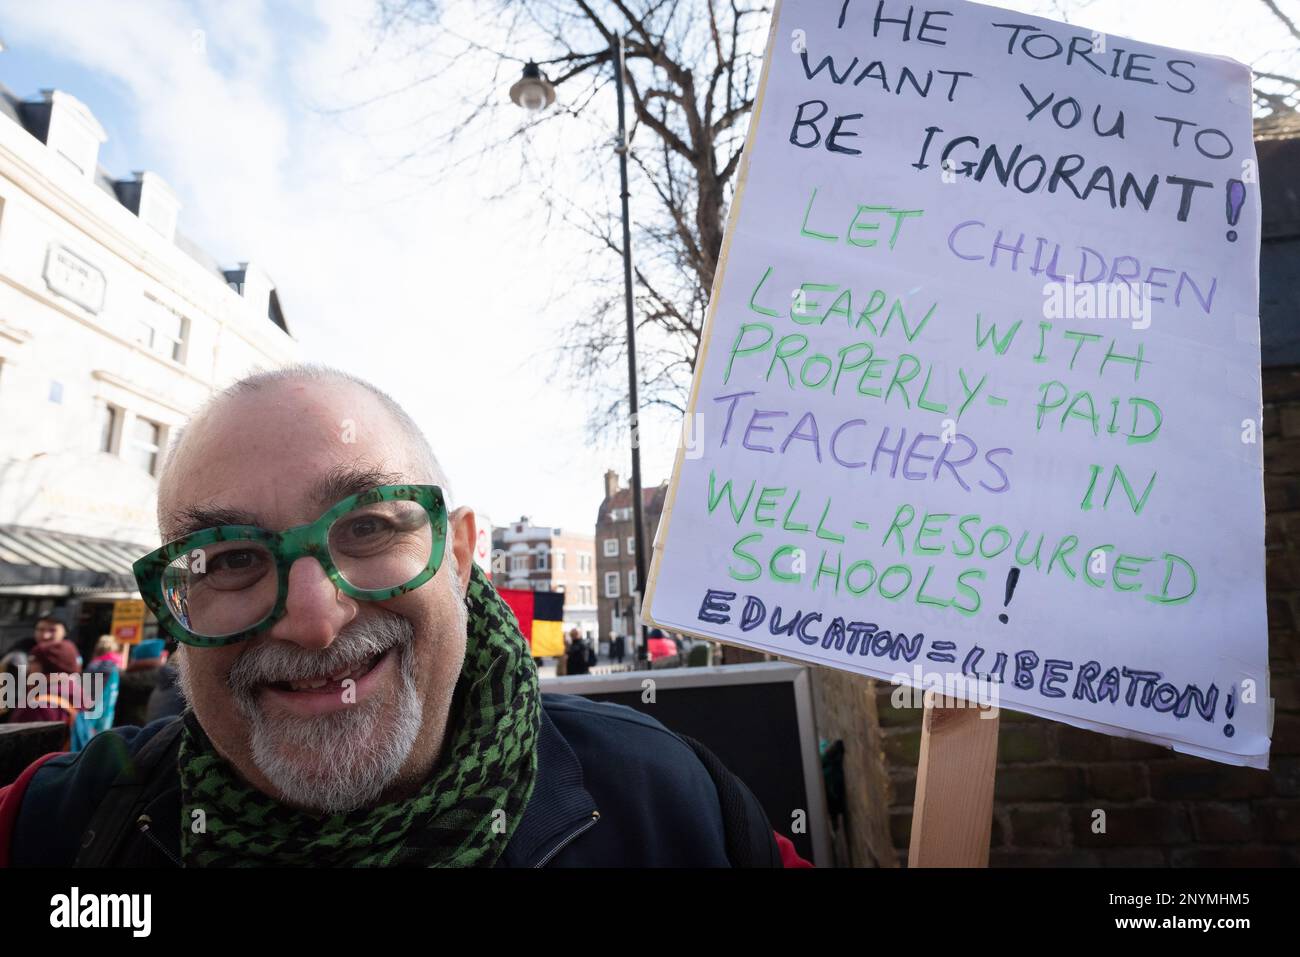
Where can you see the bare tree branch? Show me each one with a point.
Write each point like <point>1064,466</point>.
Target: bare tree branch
<point>691,73</point>
<point>1286,21</point>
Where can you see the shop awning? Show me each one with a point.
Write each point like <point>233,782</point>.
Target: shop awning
<point>43,559</point>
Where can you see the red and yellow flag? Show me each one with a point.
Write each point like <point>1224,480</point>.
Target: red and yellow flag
<point>541,619</point>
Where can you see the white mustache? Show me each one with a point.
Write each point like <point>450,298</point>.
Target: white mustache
<point>277,661</point>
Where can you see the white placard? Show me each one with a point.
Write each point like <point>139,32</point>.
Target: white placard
<point>979,397</point>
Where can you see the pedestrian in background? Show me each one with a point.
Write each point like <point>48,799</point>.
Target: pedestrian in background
<point>48,627</point>
<point>105,673</point>
<point>56,660</point>
<point>13,669</point>
<point>577,663</point>
<point>166,700</point>
<point>658,645</point>
<point>148,654</point>
<point>139,681</point>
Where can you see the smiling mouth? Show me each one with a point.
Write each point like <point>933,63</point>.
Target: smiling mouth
<point>330,684</point>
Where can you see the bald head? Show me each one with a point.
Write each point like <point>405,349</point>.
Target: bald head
<point>278,450</point>
<point>345,413</point>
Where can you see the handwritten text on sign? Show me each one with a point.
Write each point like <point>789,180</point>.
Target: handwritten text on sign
<point>979,398</point>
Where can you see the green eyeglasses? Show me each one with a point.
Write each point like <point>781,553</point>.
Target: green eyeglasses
<point>223,585</point>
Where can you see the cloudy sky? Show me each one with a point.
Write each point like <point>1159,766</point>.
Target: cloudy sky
<point>260,116</point>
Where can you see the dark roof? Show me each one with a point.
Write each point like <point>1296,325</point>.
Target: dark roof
<point>274,311</point>
<point>11,106</point>
<point>652,501</point>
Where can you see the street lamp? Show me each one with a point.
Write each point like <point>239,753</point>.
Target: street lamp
<point>534,92</point>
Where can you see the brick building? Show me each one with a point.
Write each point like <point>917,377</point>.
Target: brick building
<point>543,558</point>
<point>1162,808</point>
<point>616,552</point>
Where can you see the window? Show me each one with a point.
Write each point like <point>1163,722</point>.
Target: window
<point>543,560</point>
<point>161,330</point>
<point>145,445</point>
<point>108,416</point>
<point>611,548</point>
<point>611,585</point>
<point>631,544</point>
<point>584,562</point>
<point>631,582</point>
<point>560,554</point>
<point>519,563</point>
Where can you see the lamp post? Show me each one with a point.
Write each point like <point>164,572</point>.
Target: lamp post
<point>533,91</point>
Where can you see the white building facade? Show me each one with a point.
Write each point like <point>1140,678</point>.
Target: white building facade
<point>113,330</point>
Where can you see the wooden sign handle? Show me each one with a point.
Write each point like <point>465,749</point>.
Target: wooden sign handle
<point>952,814</point>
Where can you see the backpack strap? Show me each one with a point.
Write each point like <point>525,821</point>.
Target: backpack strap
<point>151,772</point>
<point>747,833</point>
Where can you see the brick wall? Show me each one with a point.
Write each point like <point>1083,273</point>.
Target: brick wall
<point>1162,808</point>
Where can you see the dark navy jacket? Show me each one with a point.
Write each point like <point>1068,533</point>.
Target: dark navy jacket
<point>614,788</point>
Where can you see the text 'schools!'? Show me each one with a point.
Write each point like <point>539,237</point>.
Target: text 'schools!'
<point>978,404</point>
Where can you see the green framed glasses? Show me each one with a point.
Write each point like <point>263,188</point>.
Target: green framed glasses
<point>226,584</point>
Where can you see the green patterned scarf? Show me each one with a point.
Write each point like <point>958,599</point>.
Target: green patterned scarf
<point>489,766</point>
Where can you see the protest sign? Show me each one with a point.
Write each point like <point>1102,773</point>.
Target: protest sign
<point>128,621</point>
<point>978,400</point>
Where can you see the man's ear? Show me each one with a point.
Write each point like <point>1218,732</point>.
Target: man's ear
<point>464,536</point>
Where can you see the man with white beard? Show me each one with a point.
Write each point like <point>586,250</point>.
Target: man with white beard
<point>358,694</point>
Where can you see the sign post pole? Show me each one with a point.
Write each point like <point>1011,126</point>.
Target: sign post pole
<point>952,814</point>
